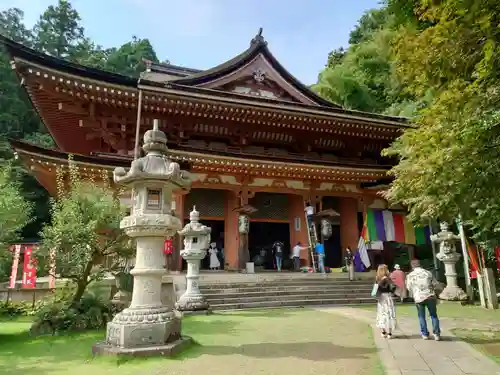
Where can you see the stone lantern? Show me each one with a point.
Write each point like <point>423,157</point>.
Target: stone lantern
<point>448,255</point>
<point>196,241</point>
<point>147,327</point>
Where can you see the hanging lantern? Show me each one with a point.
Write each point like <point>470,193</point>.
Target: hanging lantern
<point>326,229</point>
<point>243,224</point>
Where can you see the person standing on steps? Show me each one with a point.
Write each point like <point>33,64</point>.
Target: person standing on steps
<point>349,263</point>
<point>278,254</point>
<point>420,283</point>
<point>296,255</point>
<point>309,210</point>
<point>320,252</point>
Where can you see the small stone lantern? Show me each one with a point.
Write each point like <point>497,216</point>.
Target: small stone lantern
<point>147,327</point>
<point>196,241</point>
<point>449,256</point>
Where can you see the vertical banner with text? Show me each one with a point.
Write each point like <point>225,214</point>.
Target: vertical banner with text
<point>52,271</point>
<point>29,269</point>
<point>15,265</point>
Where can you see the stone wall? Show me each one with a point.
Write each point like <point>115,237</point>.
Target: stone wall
<point>105,288</point>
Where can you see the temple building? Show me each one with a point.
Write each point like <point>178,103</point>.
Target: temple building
<point>253,137</point>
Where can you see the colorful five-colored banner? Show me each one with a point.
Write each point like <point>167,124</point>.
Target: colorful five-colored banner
<point>389,226</point>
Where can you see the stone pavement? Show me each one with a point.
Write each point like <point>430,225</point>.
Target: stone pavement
<point>408,354</point>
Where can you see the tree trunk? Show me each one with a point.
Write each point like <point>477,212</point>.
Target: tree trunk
<point>81,284</point>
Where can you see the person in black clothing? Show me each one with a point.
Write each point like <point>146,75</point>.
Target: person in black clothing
<point>349,263</point>
<point>278,249</point>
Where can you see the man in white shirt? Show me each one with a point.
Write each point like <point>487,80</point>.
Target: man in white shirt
<point>309,210</point>
<point>296,255</point>
<point>421,284</point>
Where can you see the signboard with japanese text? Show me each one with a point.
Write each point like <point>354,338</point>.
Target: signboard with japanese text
<point>29,269</point>
<point>168,247</point>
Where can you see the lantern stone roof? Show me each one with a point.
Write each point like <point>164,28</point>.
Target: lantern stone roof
<point>155,165</point>
<point>194,227</point>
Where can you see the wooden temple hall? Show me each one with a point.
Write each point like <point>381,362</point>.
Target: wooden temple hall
<point>250,133</point>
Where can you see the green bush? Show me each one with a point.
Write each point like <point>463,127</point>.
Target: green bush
<point>58,314</point>
<point>14,309</point>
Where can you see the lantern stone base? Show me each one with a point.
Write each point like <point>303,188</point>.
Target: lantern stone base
<point>192,304</point>
<point>166,350</point>
<point>453,293</point>
<point>143,338</point>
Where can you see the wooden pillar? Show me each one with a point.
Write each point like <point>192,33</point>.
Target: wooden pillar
<point>231,235</point>
<point>349,232</point>
<point>179,200</point>
<point>296,213</point>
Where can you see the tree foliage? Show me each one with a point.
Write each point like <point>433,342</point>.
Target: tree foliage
<point>449,162</point>
<point>57,32</point>
<point>15,211</point>
<point>85,230</point>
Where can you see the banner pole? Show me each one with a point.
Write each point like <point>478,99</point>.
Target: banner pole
<point>465,254</point>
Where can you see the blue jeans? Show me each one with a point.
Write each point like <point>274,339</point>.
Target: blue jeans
<point>310,221</point>
<point>431,305</point>
<point>279,261</point>
<point>321,263</point>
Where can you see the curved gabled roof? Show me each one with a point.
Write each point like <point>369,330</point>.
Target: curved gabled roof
<point>22,52</point>
<point>258,46</point>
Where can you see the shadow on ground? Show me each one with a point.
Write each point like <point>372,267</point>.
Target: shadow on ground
<point>313,351</point>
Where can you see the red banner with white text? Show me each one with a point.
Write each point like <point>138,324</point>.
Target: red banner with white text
<point>29,269</point>
<point>168,247</point>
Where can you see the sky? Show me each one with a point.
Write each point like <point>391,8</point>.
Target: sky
<point>204,33</point>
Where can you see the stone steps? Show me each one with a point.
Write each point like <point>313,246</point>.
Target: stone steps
<point>256,292</point>
<point>288,284</point>
<point>292,292</point>
<point>218,300</point>
<point>290,303</point>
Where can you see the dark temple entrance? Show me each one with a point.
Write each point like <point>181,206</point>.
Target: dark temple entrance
<point>261,238</point>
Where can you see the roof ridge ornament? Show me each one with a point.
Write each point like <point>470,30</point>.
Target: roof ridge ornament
<point>258,39</point>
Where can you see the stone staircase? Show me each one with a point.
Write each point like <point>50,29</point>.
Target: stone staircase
<point>307,290</point>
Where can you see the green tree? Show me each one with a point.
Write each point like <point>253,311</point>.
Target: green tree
<point>370,22</point>
<point>129,58</point>
<point>335,57</point>
<point>15,211</point>
<point>58,31</point>
<point>449,162</point>
<point>85,231</point>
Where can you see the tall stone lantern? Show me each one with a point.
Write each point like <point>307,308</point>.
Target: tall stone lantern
<point>449,256</point>
<point>196,241</point>
<point>148,327</point>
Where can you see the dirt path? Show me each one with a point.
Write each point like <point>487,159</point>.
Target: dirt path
<point>291,342</point>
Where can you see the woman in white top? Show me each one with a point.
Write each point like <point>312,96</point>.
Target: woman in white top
<point>214,258</point>
<point>309,210</point>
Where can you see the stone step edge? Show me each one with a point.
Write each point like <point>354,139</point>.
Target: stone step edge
<point>271,293</point>
<point>231,301</point>
<point>275,304</point>
<point>284,290</point>
<point>315,283</point>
